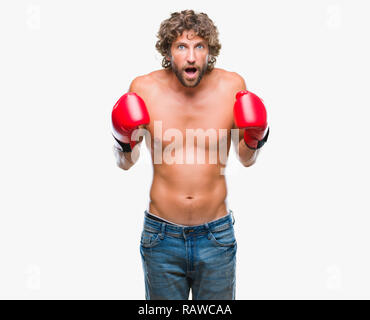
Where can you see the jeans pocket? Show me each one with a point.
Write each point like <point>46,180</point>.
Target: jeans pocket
<point>223,238</point>
<point>150,238</point>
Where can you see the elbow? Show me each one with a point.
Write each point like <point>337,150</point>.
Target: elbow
<point>124,166</point>
<point>252,160</point>
<point>121,161</point>
<point>249,163</point>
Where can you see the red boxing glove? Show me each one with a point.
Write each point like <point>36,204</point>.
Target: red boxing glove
<point>128,113</point>
<point>250,113</point>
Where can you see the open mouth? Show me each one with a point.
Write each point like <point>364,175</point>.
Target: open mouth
<point>191,72</point>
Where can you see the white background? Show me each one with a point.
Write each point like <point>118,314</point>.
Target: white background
<point>71,219</point>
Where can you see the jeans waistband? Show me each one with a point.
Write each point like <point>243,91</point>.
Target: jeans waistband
<point>220,224</point>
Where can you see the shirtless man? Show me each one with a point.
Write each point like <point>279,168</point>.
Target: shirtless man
<point>188,239</point>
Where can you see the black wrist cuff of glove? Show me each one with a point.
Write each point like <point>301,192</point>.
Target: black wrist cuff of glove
<point>261,142</point>
<point>126,147</point>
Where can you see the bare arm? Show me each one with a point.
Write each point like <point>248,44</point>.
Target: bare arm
<point>246,156</point>
<point>125,160</point>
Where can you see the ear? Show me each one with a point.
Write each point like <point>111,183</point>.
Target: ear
<point>168,55</point>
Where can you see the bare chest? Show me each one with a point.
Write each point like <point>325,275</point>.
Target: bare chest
<point>181,121</point>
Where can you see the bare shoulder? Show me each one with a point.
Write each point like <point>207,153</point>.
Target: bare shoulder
<point>238,80</point>
<point>144,84</point>
<point>139,84</point>
<point>231,78</point>
<point>160,74</point>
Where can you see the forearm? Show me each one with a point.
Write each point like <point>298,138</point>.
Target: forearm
<point>247,156</point>
<point>125,160</point>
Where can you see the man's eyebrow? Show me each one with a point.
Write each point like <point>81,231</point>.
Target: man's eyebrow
<point>185,44</point>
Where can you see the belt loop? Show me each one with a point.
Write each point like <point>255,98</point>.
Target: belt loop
<point>232,216</point>
<point>208,230</point>
<point>163,231</point>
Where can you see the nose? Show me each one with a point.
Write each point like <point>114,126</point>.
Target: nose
<point>191,56</point>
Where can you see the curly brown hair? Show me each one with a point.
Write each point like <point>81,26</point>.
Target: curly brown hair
<point>174,26</point>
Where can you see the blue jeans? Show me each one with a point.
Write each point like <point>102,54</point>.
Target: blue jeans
<point>179,258</point>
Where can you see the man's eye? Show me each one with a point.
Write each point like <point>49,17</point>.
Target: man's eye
<point>180,46</point>
<point>200,45</point>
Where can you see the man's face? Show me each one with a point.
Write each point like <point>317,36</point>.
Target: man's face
<point>189,58</point>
